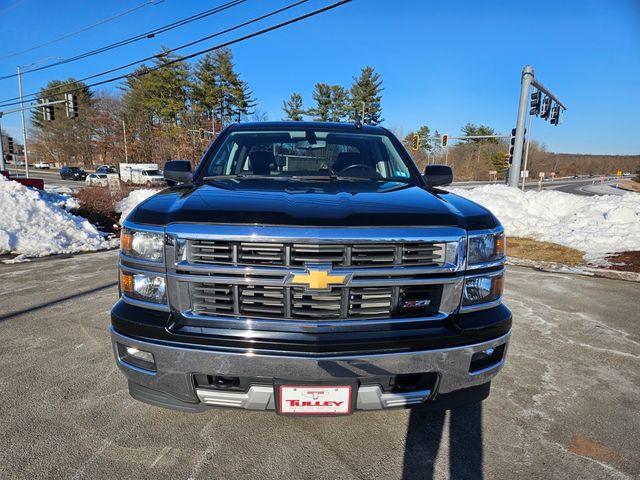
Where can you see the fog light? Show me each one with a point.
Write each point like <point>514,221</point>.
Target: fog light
<point>486,358</point>
<point>136,357</point>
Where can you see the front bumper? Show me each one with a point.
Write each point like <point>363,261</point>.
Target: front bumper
<point>172,384</point>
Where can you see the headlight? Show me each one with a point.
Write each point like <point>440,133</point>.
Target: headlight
<point>482,289</point>
<point>145,245</point>
<point>488,247</point>
<point>144,286</point>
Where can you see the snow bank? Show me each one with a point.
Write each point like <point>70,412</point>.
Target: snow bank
<point>125,205</point>
<point>596,225</point>
<point>36,224</point>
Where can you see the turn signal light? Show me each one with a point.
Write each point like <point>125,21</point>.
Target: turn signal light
<point>126,282</point>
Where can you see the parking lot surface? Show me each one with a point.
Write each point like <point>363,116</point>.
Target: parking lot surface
<point>565,406</point>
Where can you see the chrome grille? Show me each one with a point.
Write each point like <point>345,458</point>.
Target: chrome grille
<point>212,299</point>
<point>261,300</point>
<point>210,252</point>
<point>316,305</point>
<point>250,253</point>
<point>370,302</point>
<point>422,253</point>
<point>371,255</point>
<point>325,254</point>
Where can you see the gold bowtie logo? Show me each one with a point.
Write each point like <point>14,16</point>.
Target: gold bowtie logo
<point>318,279</point>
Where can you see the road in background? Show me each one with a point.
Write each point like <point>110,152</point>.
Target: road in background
<point>579,186</point>
<point>582,186</point>
<point>564,406</point>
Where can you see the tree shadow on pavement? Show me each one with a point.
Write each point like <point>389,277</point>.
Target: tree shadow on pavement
<point>425,434</point>
<point>40,306</point>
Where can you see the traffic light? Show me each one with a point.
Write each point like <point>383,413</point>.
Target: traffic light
<point>535,103</point>
<point>415,142</point>
<point>48,112</point>
<point>511,144</point>
<point>201,133</point>
<point>10,145</point>
<point>555,114</point>
<point>71,105</point>
<point>509,155</point>
<point>546,108</point>
<point>445,140</point>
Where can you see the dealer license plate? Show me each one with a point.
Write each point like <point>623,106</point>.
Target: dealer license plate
<point>315,400</point>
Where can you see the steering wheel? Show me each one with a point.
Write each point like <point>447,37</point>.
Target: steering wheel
<point>361,166</point>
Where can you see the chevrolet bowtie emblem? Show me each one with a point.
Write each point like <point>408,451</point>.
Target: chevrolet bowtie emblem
<point>318,279</point>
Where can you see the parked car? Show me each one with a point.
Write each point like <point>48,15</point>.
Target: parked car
<point>72,173</point>
<point>109,170</point>
<point>309,268</point>
<point>43,165</point>
<point>97,179</point>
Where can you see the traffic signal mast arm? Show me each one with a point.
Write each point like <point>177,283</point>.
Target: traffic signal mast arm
<point>32,106</point>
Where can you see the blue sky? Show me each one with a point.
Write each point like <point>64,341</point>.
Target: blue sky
<point>443,63</point>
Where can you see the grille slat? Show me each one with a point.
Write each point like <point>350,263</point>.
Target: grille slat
<point>304,253</point>
<point>370,302</point>
<point>316,305</point>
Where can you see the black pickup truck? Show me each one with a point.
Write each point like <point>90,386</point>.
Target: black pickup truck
<point>309,268</point>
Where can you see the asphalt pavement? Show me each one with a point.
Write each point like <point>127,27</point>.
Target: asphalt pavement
<point>565,406</point>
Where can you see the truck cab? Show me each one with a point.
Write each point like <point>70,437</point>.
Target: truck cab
<point>311,269</point>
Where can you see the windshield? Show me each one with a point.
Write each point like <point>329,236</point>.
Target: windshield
<point>301,154</point>
<point>152,172</point>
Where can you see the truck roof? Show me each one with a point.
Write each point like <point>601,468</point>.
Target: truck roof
<point>292,125</point>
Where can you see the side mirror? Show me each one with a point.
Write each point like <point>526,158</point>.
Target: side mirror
<point>177,171</point>
<point>438,175</point>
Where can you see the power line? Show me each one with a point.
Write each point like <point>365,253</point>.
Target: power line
<point>135,38</point>
<point>89,27</point>
<point>33,96</point>
<point>210,49</point>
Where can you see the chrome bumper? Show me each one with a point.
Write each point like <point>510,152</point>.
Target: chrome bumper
<point>175,367</point>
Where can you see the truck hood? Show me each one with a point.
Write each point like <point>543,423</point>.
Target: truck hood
<point>335,204</point>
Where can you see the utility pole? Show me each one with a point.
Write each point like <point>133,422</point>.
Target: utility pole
<point>364,104</point>
<point>514,171</point>
<point>2,165</point>
<point>24,129</point>
<point>124,136</point>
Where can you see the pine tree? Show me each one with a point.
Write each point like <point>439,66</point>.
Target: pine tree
<point>205,93</point>
<point>367,89</point>
<point>339,108</point>
<point>166,88</point>
<point>218,87</point>
<point>293,107</point>
<point>322,96</point>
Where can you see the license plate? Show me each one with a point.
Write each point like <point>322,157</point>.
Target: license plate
<point>315,400</point>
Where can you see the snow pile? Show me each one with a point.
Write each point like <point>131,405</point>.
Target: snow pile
<point>36,224</point>
<point>125,205</point>
<point>59,199</point>
<point>596,225</point>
